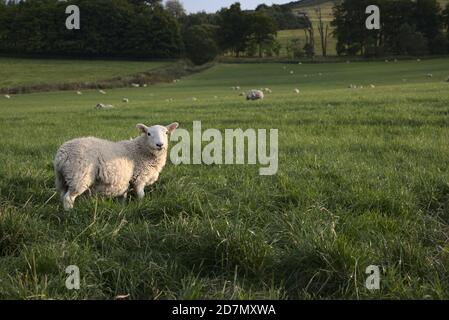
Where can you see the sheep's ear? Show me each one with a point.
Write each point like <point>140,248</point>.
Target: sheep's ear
<point>172,127</point>
<point>142,128</point>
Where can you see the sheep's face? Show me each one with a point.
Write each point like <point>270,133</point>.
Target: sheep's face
<point>156,137</point>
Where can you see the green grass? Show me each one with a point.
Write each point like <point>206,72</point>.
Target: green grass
<point>363,180</point>
<point>15,72</point>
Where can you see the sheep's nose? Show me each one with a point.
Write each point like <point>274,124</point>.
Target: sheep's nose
<point>159,145</point>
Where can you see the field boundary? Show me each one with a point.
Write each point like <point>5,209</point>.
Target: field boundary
<point>162,74</point>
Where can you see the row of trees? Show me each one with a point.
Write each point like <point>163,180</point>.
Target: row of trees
<point>407,28</point>
<point>137,28</point>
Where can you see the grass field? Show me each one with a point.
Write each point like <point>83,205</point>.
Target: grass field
<point>14,72</point>
<point>363,180</point>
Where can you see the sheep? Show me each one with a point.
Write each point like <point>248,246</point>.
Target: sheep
<point>372,86</point>
<point>297,91</point>
<point>7,96</point>
<point>194,99</point>
<point>111,168</point>
<point>125,100</point>
<point>101,106</point>
<point>429,75</point>
<point>292,72</point>
<point>255,95</point>
<point>267,90</point>
<point>102,91</point>
<point>145,85</point>
<point>135,85</point>
<point>79,93</point>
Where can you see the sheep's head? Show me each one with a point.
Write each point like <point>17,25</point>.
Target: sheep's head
<point>156,137</point>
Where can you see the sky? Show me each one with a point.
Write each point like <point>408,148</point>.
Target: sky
<point>215,5</point>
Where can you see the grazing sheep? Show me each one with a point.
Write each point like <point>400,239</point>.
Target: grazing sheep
<point>418,60</point>
<point>79,93</point>
<point>429,75</point>
<point>297,91</point>
<point>255,95</point>
<point>145,85</point>
<point>372,86</point>
<point>7,96</point>
<point>101,106</point>
<point>111,168</point>
<point>135,85</point>
<point>292,72</point>
<point>194,99</point>
<point>102,91</point>
<point>125,100</point>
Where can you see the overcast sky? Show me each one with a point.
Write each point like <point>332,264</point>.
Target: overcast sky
<point>214,5</point>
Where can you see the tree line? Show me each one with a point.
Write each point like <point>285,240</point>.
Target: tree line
<point>407,27</point>
<point>139,29</point>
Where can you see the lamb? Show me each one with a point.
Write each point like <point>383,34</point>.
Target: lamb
<point>255,95</point>
<point>111,168</point>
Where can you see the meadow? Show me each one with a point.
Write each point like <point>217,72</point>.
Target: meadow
<point>16,71</point>
<point>363,180</point>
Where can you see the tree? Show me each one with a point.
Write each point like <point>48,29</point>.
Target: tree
<point>233,29</point>
<point>262,29</point>
<point>323,30</point>
<point>175,8</point>
<point>200,43</point>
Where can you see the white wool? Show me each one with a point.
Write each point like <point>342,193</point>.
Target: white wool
<point>102,91</point>
<point>135,85</point>
<point>7,96</point>
<point>297,91</point>
<point>101,106</point>
<point>79,93</point>
<point>111,168</point>
<point>125,100</point>
<point>255,95</point>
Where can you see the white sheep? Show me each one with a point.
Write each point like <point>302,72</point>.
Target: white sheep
<point>125,100</point>
<point>102,91</point>
<point>267,90</point>
<point>111,168</point>
<point>372,86</point>
<point>255,95</point>
<point>7,96</point>
<point>135,85</point>
<point>297,91</point>
<point>101,106</point>
<point>429,75</point>
<point>79,93</point>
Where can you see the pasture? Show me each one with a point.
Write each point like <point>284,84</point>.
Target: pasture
<point>363,180</point>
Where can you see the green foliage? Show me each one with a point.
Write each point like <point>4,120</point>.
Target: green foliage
<point>418,21</point>
<point>200,43</point>
<point>108,28</point>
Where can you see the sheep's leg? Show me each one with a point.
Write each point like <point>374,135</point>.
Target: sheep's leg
<point>123,197</point>
<point>140,191</point>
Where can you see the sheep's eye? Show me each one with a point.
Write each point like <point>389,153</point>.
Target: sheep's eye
<point>149,134</point>
<point>167,132</point>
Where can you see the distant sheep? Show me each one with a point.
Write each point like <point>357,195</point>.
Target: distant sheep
<point>79,93</point>
<point>101,106</point>
<point>125,100</point>
<point>297,91</point>
<point>267,90</point>
<point>135,85</point>
<point>102,91</point>
<point>255,95</point>
<point>111,168</point>
<point>7,96</point>
<point>429,75</point>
